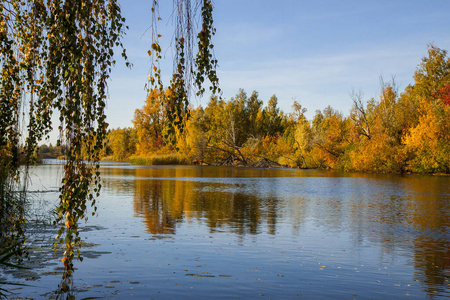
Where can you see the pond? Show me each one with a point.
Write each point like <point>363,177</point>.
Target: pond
<point>169,232</point>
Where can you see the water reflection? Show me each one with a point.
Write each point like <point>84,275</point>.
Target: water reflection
<point>404,215</point>
<point>164,203</point>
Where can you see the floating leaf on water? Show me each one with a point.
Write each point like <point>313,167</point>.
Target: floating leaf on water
<point>198,275</point>
<point>52,273</point>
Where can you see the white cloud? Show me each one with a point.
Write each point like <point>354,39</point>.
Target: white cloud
<point>323,79</point>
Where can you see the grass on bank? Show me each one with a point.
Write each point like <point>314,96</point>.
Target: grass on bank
<point>151,160</point>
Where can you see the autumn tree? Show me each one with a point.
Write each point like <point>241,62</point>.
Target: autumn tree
<point>427,141</point>
<point>254,116</point>
<point>149,123</point>
<point>238,119</point>
<point>122,143</point>
<point>362,116</point>
<point>330,136</point>
<point>386,110</point>
<point>432,74</point>
<point>272,116</point>
<point>302,133</point>
<point>232,117</point>
<point>231,130</point>
<point>196,138</point>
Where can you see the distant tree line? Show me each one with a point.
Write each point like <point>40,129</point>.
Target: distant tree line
<point>49,151</point>
<point>398,132</point>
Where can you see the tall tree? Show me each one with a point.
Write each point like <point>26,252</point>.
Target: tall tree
<point>432,74</point>
<point>330,131</point>
<point>149,123</point>
<point>427,139</point>
<point>302,132</point>
<point>122,142</point>
<point>362,116</point>
<point>254,115</point>
<point>273,116</point>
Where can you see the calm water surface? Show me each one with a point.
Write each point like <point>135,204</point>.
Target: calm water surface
<point>226,233</point>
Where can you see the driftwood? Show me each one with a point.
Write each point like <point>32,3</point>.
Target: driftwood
<point>236,158</point>
<point>226,162</point>
<point>264,162</point>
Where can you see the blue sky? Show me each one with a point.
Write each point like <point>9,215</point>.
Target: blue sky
<point>314,52</point>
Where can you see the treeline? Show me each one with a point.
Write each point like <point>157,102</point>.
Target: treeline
<point>49,151</point>
<point>397,132</point>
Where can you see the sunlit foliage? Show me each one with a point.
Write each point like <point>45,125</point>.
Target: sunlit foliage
<point>149,123</point>
<point>395,132</point>
<point>121,143</point>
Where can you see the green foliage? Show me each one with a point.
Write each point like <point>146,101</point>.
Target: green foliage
<point>81,37</point>
<point>188,71</point>
<point>272,117</point>
<point>49,151</point>
<point>121,143</point>
<point>56,57</point>
<point>432,74</point>
<point>150,122</point>
<point>205,61</point>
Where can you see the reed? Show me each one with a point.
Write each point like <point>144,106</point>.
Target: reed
<point>158,159</point>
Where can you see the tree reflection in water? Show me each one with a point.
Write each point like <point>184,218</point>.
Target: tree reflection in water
<point>401,214</point>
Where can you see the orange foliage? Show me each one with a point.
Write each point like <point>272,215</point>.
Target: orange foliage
<point>149,124</point>
<point>429,141</point>
<point>400,132</point>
